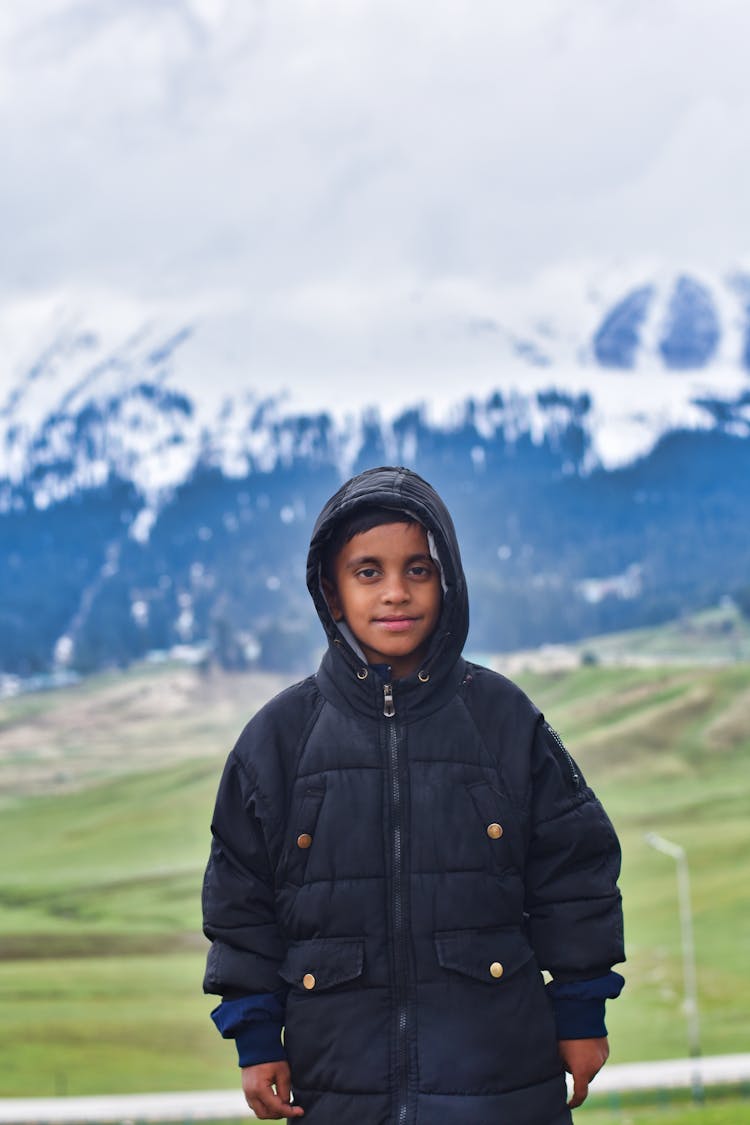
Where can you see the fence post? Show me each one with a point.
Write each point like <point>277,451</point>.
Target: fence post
<point>679,855</point>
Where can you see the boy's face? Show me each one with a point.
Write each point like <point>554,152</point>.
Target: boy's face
<point>386,587</point>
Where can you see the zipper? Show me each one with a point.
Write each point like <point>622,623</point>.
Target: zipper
<point>389,711</point>
<point>571,764</point>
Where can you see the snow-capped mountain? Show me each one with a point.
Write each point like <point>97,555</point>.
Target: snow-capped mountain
<point>596,458</point>
<point>663,354</point>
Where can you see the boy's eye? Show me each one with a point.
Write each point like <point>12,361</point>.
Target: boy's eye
<point>367,572</point>
<point>420,570</point>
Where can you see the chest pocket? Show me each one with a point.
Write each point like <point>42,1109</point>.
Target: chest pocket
<point>500,824</point>
<point>300,839</point>
<point>486,955</point>
<point>319,964</point>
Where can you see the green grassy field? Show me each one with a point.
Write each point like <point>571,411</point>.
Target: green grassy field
<point>717,1110</point>
<point>101,956</point>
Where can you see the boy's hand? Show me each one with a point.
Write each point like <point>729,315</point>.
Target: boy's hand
<point>258,1087</point>
<point>583,1058</point>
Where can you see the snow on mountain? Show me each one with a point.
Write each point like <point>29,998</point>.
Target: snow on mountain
<point>624,357</point>
<point>83,409</point>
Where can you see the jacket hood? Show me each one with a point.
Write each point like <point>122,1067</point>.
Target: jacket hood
<point>404,491</point>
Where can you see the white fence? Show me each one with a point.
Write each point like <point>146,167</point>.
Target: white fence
<point>214,1105</point>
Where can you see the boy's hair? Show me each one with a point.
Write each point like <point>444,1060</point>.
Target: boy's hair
<point>364,519</point>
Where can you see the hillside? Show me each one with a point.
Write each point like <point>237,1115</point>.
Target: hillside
<point>720,635</point>
<point>552,554</point>
<point>99,931</point>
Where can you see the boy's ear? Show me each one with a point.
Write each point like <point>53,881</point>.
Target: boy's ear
<point>332,597</point>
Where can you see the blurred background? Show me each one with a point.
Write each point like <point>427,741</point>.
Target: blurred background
<point>250,249</point>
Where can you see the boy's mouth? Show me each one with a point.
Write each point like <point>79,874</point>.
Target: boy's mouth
<point>395,624</point>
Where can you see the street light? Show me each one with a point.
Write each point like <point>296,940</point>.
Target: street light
<point>679,854</point>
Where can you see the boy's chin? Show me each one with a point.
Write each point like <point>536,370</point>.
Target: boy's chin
<point>401,663</point>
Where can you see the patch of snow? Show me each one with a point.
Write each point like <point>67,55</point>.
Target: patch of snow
<point>63,651</point>
<point>139,612</point>
<point>140,528</point>
<point>625,586</point>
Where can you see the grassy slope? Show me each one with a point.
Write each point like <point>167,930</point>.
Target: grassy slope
<point>99,982</point>
<point>667,751</point>
<point>720,634</point>
<point>718,1110</point>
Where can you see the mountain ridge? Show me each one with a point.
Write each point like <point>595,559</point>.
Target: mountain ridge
<point>666,354</point>
<point>138,514</point>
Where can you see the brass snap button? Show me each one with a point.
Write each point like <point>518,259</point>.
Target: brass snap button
<point>362,674</point>
<point>423,677</point>
<point>308,981</point>
<point>494,831</point>
<point>304,840</point>
<point>496,970</point>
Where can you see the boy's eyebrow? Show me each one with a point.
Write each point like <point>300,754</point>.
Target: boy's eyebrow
<point>361,559</point>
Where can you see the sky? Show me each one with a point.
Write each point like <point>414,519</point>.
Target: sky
<point>326,188</point>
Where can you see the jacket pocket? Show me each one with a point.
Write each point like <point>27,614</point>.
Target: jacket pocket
<point>490,956</point>
<point>500,824</point>
<point>301,833</point>
<point>323,963</point>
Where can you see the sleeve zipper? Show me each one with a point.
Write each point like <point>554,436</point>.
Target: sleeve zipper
<point>571,764</point>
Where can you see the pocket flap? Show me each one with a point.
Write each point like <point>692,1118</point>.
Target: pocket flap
<point>322,963</point>
<point>487,955</point>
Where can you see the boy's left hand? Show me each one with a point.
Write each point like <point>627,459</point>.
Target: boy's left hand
<point>583,1058</point>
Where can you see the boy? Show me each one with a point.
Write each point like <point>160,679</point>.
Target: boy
<point>401,844</point>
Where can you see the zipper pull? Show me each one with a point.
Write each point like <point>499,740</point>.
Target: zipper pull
<point>388,708</point>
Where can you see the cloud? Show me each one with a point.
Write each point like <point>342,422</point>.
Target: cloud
<point>241,155</point>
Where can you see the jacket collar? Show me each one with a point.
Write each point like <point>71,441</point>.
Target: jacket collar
<point>355,687</point>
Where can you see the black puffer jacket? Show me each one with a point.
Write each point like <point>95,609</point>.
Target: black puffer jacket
<point>455,851</point>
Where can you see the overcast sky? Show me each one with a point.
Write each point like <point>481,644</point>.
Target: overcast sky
<point>276,164</point>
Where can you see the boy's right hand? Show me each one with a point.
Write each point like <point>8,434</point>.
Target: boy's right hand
<point>267,1103</point>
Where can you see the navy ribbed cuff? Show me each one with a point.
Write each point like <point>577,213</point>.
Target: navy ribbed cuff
<point>579,1019</point>
<point>259,1043</point>
<point>579,1005</point>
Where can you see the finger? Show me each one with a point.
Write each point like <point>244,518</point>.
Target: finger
<point>265,1104</point>
<point>284,1090</point>
<point>286,1109</point>
<point>284,1085</point>
<point>258,1107</point>
<point>580,1091</point>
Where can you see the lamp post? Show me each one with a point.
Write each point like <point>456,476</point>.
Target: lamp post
<point>678,853</point>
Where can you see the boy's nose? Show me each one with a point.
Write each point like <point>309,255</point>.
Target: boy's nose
<point>396,590</point>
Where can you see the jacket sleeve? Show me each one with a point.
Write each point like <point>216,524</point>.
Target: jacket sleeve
<point>573,904</point>
<point>239,915</point>
<point>255,1024</point>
